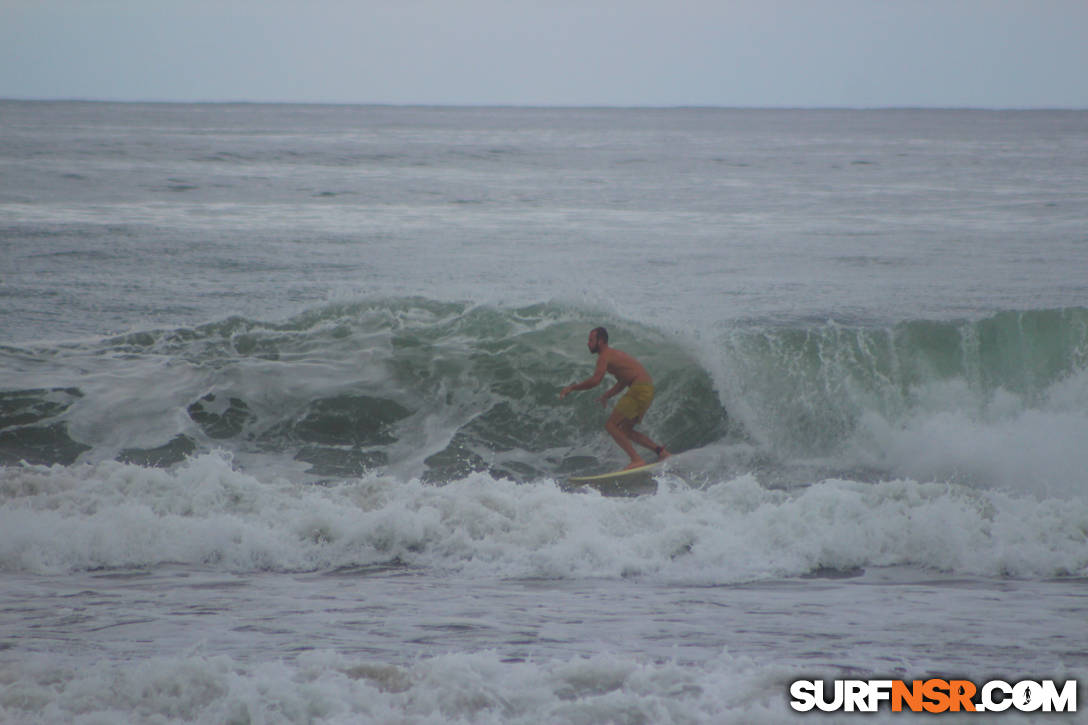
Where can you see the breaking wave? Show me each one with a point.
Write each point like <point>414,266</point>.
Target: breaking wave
<point>316,444</point>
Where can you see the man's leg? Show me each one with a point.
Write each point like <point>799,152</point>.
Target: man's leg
<point>641,403</point>
<point>645,441</point>
<point>619,428</point>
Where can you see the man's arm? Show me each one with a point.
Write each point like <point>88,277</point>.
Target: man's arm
<point>620,385</point>
<point>592,381</point>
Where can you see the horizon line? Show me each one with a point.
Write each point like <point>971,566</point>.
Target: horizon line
<point>535,106</point>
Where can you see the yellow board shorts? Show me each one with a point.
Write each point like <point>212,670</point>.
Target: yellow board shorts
<point>636,402</point>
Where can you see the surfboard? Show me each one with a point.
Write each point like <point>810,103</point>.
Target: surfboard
<point>631,482</point>
<point>613,475</point>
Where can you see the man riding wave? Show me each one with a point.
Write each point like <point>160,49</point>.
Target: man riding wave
<point>628,413</point>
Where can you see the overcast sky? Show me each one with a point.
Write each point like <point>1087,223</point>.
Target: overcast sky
<point>855,53</point>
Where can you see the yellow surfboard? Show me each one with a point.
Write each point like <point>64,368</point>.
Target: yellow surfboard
<point>627,473</point>
<point>631,482</point>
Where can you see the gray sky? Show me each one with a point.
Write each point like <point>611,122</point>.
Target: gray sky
<point>973,53</point>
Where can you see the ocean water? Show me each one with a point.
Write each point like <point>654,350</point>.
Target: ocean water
<point>280,436</point>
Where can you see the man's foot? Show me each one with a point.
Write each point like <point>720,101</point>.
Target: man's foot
<point>638,463</point>
<point>662,454</point>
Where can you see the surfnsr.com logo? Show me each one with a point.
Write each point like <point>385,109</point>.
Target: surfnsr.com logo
<point>933,696</point>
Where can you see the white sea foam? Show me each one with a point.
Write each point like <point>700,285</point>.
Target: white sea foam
<point>330,688</point>
<point>113,515</point>
<point>997,441</point>
<point>479,688</point>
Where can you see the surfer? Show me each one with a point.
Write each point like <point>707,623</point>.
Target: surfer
<point>628,412</point>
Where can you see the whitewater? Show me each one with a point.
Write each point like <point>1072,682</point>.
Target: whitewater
<point>281,442</point>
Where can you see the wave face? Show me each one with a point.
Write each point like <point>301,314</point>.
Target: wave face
<point>417,388</point>
<point>413,386</point>
<point>436,391</point>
